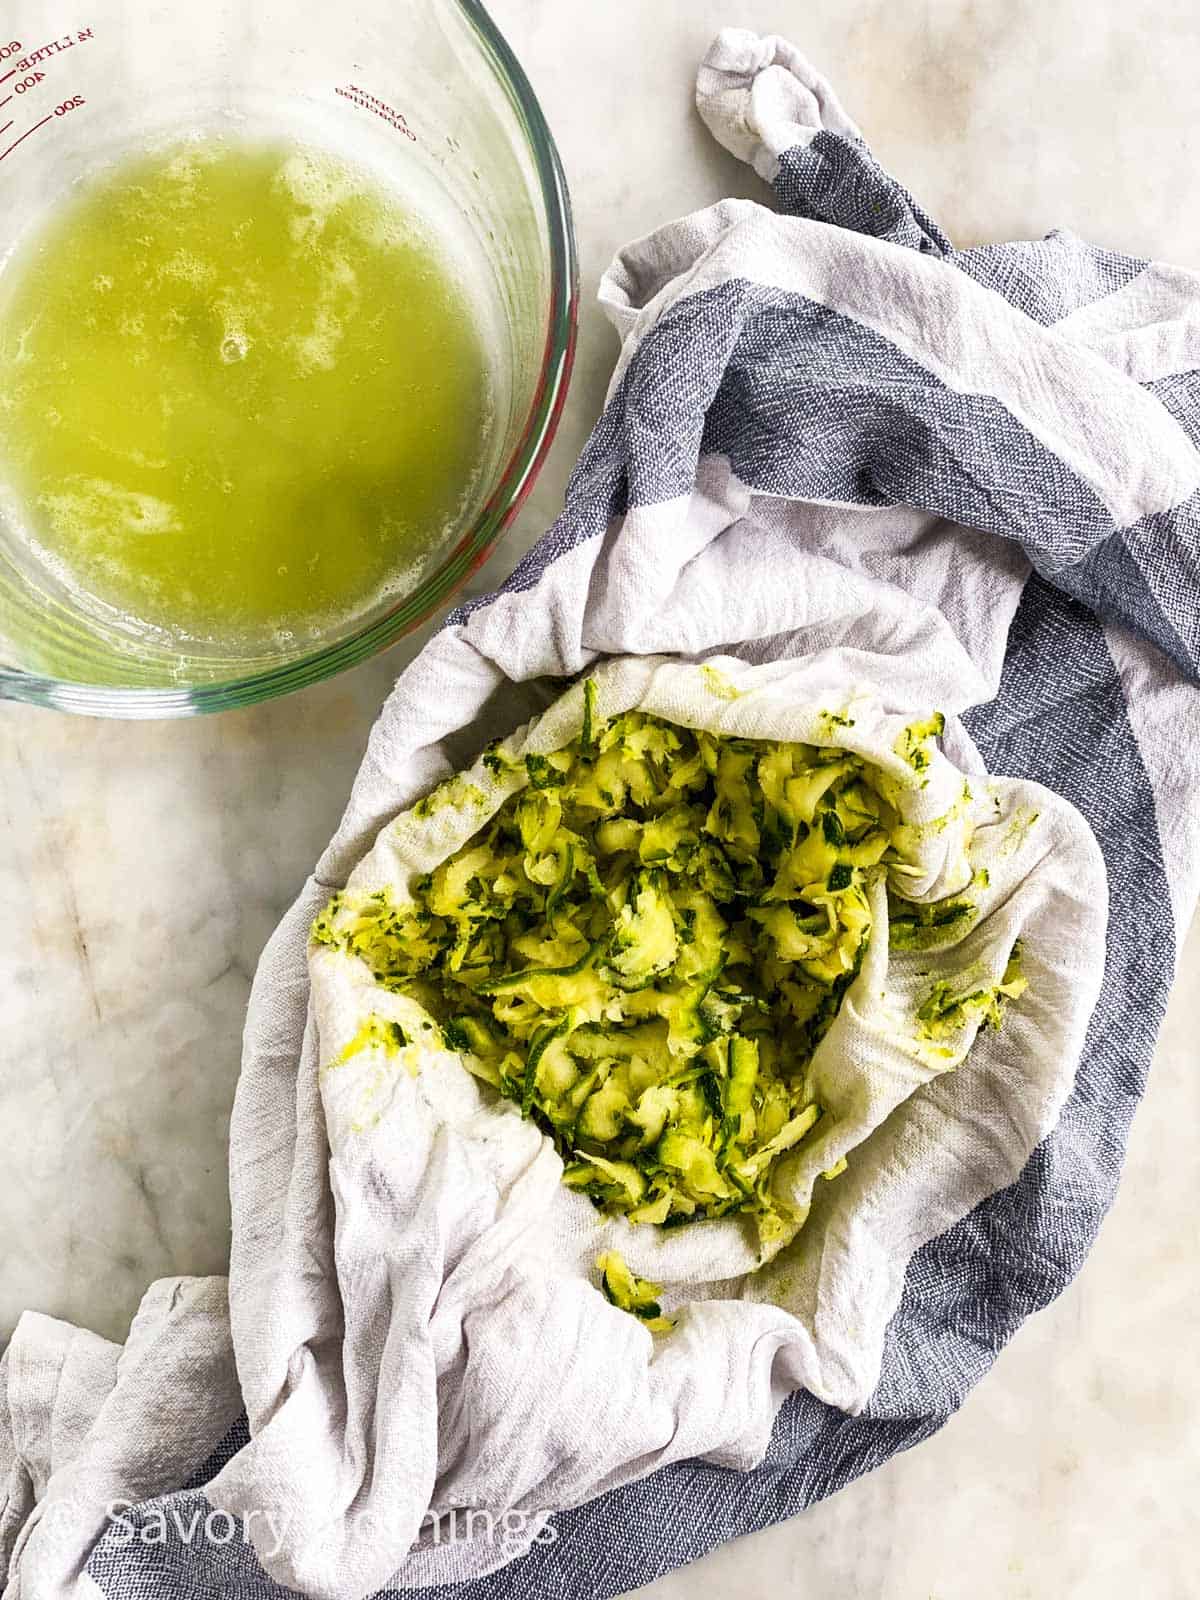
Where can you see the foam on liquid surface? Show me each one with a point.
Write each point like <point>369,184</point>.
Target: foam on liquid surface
<point>244,396</point>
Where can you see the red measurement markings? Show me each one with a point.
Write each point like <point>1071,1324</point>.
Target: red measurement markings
<point>369,102</point>
<point>3,103</point>
<point>8,75</point>
<point>25,136</point>
<point>54,48</point>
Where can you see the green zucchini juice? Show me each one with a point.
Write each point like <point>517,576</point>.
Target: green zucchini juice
<point>243,395</point>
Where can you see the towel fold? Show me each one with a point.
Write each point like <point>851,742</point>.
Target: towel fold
<point>835,446</point>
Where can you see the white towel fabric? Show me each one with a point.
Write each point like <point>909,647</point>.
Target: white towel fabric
<point>88,1427</point>
<point>840,457</point>
<point>480,1365</point>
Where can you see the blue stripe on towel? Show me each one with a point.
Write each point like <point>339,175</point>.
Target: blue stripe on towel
<point>806,402</point>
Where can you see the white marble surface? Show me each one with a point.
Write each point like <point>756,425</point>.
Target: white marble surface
<point>141,868</point>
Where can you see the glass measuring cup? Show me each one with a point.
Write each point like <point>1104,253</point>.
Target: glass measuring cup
<point>426,92</point>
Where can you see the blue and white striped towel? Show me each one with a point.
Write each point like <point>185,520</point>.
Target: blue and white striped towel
<point>830,430</point>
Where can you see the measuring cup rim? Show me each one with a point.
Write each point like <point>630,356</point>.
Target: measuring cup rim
<point>512,487</point>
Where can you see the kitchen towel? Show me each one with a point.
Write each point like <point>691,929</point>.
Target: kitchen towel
<point>829,431</point>
<point>479,1366</point>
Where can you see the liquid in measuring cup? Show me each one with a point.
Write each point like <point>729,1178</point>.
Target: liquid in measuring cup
<point>243,394</point>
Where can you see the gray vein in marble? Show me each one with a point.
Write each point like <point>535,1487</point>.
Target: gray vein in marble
<point>142,867</point>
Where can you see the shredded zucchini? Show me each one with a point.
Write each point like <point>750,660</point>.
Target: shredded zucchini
<point>376,1033</point>
<point>644,946</point>
<point>944,1013</point>
<point>631,1293</point>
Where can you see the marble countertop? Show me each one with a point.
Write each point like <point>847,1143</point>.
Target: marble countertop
<point>143,867</point>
